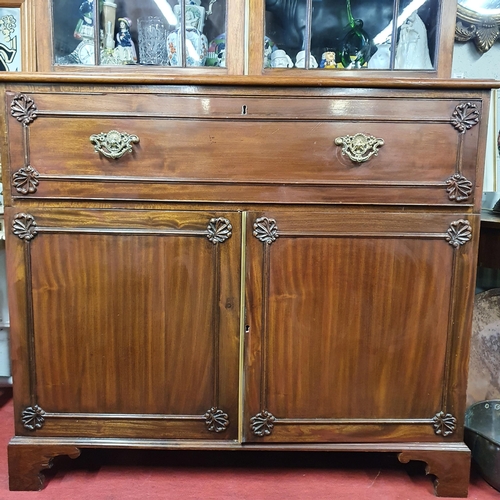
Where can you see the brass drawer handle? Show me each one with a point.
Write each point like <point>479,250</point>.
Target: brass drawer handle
<point>113,144</point>
<point>359,147</point>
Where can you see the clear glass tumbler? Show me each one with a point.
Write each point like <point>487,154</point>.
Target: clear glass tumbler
<point>152,41</point>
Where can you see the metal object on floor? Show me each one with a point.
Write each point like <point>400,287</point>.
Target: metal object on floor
<point>482,436</point>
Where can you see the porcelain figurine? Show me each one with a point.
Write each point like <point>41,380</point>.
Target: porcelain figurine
<point>125,51</point>
<point>412,51</point>
<point>269,48</point>
<point>382,58</point>
<point>328,60</point>
<point>300,60</point>
<point>280,59</point>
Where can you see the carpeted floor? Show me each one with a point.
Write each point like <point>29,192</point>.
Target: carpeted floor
<point>151,475</point>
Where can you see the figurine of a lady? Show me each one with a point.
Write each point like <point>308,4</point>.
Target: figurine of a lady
<point>125,48</point>
<point>412,51</point>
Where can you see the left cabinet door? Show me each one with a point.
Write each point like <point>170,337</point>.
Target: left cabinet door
<point>125,323</point>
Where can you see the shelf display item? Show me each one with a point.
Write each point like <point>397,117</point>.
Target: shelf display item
<point>196,47</point>
<point>413,51</point>
<point>280,59</point>
<point>195,41</point>
<point>125,49</point>
<point>328,60</point>
<point>108,25</point>
<point>382,58</point>
<point>152,41</point>
<point>357,46</point>
<point>217,52</point>
<point>300,60</point>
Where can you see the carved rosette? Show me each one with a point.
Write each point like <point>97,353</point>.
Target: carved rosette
<point>465,116</point>
<point>33,418</point>
<point>25,180</point>
<point>216,420</point>
<point>24,226</point>
<point>359,147</point>
<point>459,233</point>
<point>265,230</point>
<point>444,424</point>
<point>23,109</point>
<point>459,188</point>
<point>263,423</point>
<point>113,144</point>
<point>219,230</point>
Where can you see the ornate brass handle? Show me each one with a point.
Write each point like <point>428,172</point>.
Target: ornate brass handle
<point>359,147</point>
<point>113,144</point>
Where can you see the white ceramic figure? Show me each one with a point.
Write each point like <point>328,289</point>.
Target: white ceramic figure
<point>280,59</point>
<point>382,58</point>
<point>300,60</point>
<point>412,51</point>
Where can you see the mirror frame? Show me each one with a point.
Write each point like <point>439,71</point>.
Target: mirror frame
<point>483,29</point>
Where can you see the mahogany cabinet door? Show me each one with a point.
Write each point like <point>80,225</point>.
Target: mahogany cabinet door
<point>357,325</point>
<point>125,323</point>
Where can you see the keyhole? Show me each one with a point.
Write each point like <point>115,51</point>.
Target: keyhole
<point>247,329</point>
<point>244,109</point>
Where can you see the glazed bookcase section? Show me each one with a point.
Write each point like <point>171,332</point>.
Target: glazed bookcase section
<point>342,37</point>
<point>151,35</point>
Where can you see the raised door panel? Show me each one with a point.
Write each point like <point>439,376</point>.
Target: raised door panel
<point>351,321</point>
<point>127,315</point>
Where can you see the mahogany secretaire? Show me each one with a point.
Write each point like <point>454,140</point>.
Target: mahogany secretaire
<point>221,236</point>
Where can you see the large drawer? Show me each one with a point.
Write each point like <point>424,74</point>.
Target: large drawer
<point>244,148</point>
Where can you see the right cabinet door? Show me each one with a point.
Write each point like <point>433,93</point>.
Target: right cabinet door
<point>356,325</point>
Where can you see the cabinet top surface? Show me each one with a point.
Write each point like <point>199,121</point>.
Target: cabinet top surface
<point>256,81</point>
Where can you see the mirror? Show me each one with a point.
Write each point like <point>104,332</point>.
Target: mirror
<point>478,20</point>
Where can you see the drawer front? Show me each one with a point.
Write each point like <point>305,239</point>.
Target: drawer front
<point>244,149</point>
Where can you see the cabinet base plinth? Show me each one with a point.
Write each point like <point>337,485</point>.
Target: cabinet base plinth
<point>449,462</point>
<point>450,468</point>
<point>27,461</point>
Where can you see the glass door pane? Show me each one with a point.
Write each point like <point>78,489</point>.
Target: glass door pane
<point>351,34</point>
<point>178,33</point>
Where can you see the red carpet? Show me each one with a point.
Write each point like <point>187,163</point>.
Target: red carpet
<point>180,475</point>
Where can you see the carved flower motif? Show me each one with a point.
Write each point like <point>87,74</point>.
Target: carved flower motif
<point>24,226</point>
<point>216,420</point>
<point>23,109</point>
<point>444,424</point>
<point>265,230</point>
<point>33,418</point>
<point>26,180</point>
<point>459,233</point>
<point>219,230</point>
<point>263,423</point>
<point>465,117</point>
<point>459,187</point>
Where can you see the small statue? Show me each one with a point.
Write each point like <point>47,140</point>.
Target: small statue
<point>328,60</point>
<point>413,49</point>
<point>125,48</point>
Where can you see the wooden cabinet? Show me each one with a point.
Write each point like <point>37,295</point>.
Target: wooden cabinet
<point>242,256</point>
<point>242,268</point>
